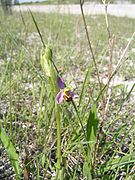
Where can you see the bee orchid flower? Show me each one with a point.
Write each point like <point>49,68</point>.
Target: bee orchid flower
<point>64,93</point>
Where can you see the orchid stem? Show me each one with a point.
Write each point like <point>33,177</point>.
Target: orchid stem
<point>58,138</point>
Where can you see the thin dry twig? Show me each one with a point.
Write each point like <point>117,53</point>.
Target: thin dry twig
<point>122,56</point>
<point>105,101</point>
<point>106,18</point>
<point>111,47</point>
<point>106,98</point>
<point>109,80</point>
<point>89,42</point>
<point>108,90</point>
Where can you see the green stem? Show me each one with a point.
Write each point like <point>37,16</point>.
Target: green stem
<point>58,137</point>
<point>10,99</point>
<point>80,121</point>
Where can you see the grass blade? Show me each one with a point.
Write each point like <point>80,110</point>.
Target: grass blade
<point>13,156</point>
<point>37,28</point>
<point>92,124</point>
<point>83,87</point>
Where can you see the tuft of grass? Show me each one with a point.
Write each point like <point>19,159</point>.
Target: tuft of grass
<point>27,109</point>
<point>11,151</point>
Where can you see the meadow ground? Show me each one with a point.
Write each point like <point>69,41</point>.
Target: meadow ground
<point>27,104</point>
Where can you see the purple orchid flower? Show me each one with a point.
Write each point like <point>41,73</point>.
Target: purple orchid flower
<point>64,93</point>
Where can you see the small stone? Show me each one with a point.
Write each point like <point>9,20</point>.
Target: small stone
<point>1,163</point>
<point>1,151</point>
<point>127,140</point>
<point>124,148</point>
<point>2,176</point>
<point>7,166</point>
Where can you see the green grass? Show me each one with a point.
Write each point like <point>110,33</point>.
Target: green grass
<point>28,105</point>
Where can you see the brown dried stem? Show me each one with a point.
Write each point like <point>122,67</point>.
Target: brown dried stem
<point>109,80</point>
<point>105,101</point>
<point>106,98</point>
<point>89,42</point>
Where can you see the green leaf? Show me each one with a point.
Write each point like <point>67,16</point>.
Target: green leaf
<point>87,171</point>
<point>92,124</point>
<point>45,65</point>
<point>49,68</point>
<point>48,53</point>
<point>46,61</point>
<point>83,87</point>
<point>43,160</point>
<point>13,156</point>
<point>118,162</point>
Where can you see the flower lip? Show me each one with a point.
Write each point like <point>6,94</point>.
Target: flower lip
<point>60,83</point>
<point>67,95</point>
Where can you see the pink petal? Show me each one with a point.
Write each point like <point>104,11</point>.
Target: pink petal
<point>59,97</point>
<point>73,95</point>
<point>60,83</point>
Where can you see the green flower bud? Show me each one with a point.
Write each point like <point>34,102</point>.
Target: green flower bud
<point>48,53</point>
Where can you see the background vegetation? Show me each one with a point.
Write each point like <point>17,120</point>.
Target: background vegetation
<point>27,113</point>
<point>74,1</point>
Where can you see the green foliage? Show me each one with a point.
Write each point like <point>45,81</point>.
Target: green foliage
<point>46,63</point>
<point>86,171</point>
<point>11,151</point>
<point>92,124</point>
<point>32,111</point>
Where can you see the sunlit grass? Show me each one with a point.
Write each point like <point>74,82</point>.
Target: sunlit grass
<point>27,103</point>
